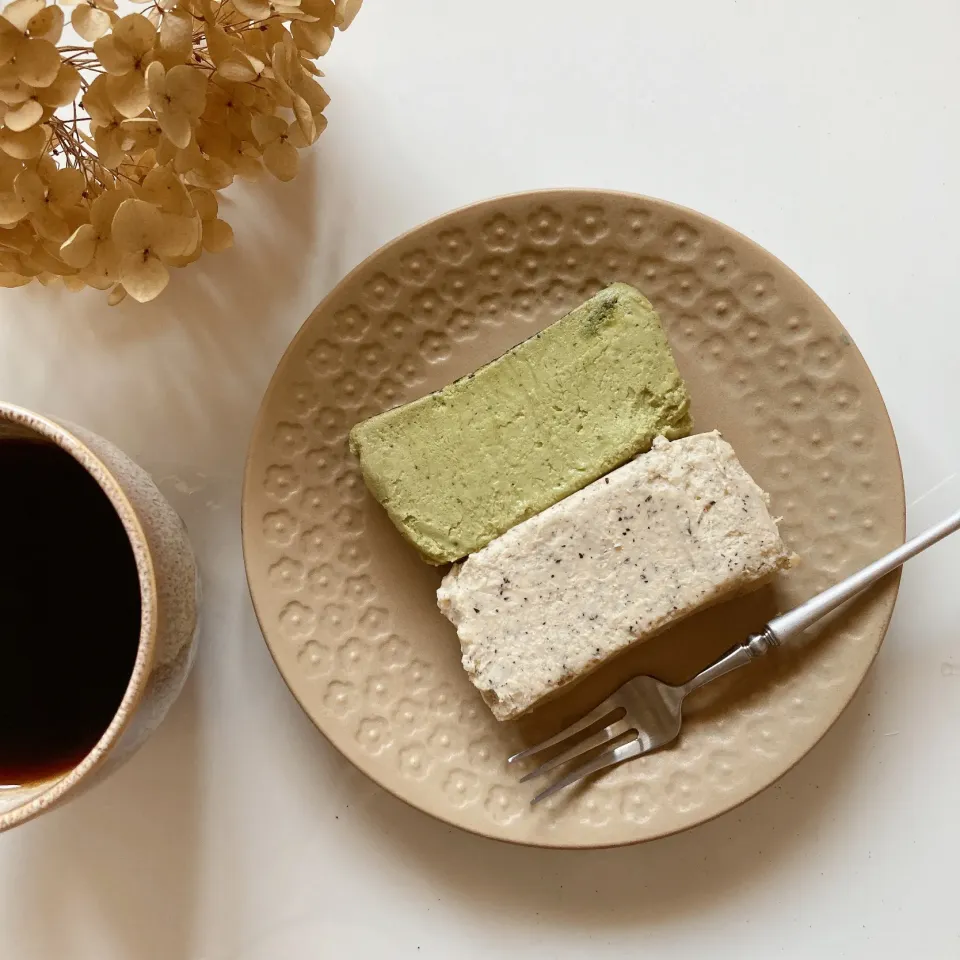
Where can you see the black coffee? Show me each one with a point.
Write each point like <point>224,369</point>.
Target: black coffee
<point>69,612</point>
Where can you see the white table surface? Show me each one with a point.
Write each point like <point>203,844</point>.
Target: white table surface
<point>828,132</point>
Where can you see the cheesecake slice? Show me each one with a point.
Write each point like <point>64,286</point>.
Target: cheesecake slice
<point>459,467</point>
<point>669,533</point>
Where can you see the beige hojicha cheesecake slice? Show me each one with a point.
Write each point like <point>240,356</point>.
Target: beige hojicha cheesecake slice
<point>671,532</point>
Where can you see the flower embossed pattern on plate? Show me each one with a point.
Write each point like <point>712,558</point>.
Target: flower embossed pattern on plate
<point>349,611</point>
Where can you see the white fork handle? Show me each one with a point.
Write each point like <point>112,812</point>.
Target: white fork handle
<point>789,624</point>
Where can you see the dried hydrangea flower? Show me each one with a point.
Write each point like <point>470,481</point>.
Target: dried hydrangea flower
<point>179,100</point>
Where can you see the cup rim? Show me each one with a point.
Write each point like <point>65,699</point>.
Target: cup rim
<point>67,441</point>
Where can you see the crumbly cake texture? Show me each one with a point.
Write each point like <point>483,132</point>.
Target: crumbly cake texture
<point>671,532</point>
<point>459,467</point>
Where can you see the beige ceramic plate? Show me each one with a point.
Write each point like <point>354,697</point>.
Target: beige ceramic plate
<point>349,611</point>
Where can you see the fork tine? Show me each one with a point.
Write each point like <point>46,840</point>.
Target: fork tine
<point>598,713</point>
<point>613,731</point>
<point>610,758</point>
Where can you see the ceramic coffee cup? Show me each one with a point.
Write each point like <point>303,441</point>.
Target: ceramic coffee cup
<point>167,574</point>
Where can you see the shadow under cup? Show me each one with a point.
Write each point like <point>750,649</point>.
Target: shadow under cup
<point>99,575</point>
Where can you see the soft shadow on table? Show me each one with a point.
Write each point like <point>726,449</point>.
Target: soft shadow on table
<point>124,854</point>
<point>127,852</point>
<point>200,355</point>
<point>646,884</point>
<point>275,235</point>
<point>176,384</point>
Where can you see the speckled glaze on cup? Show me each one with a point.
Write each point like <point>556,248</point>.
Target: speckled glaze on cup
<point>168,594</point>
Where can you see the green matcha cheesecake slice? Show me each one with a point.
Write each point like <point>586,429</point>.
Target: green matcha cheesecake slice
<point>459,467</point>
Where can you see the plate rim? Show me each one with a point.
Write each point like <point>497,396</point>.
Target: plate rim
<point>543,195</point>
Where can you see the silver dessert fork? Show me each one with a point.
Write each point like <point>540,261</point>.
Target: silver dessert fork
<point>649,713</point>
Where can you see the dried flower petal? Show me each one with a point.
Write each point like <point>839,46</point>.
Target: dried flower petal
<point>178,237</point>
<point>286,11</point>
<point>279,93</point>
<point>217,235</point>
<point>136,33</point>
<point>260,41</point>
<point>205,203</point>
<point>79,248</point>
<point>185,260</point>
<point>296,136</point>
<point>47,24</point>
<point>25,145</point>
<point>135,225</point>
<point>45,166</point>
<point>117,295</point>
<point>166,153</point>
<point>314,94</point>
<point>90,22</point>
<point>9,171</point>
<point>165,190</point>
<point>21,12</point>
<point>115,57</point>
<point>9,262</point>
<point>285,60</point>
<point>239,68</point>
<point>10,40</point>
<point>19,238</point>
<point>282,159</point>
<point>43,259</point>
<point>268,128</point>
<point>253,9</point>
<point>346,11</point>
<point>96,101</point>
<point>142,129</point>
<point>304,115</point>
<point>129,93</point>
<point>219,45</point>
<point>104,270</point>
<point>12,209</point>
<point>246,166</point>
<point>64,88</point>
<point>140,228</point>
<point>176,37</point>
<point>65,187</point>
<point>325,11</point>
<point>177,98</point>
<point>238,123</point>
<point>214,140</point>
<point>30,189</point>
<point>50,225</point>
<point>212,174</point>
<point>314,38</point>
<point>13,90</point>
<point>143,276</point>
<point>109,146</point>
<point>23,116</point>
<point>37,62</point>
<point>104,208</point>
